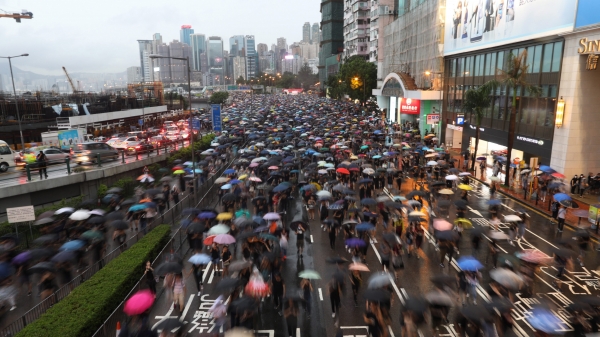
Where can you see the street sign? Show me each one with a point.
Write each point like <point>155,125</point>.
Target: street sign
<point>20,214</point>
<point>196,124</point>
<point>141,122</point>
<point>433,118</point>
<point>216,117</point>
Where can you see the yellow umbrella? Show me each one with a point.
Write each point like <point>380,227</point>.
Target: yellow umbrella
<point>317,186</point>
<point>353,157</point>
<point>243,176</point>
<point>224,216</point>
<point>466,223</point>
<point>465,187</point>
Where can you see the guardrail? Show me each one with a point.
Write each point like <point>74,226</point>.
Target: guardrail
<point>168,217</point>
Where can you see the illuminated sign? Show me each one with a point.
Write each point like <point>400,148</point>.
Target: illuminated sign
<point>460,119</point>
<point>433,118</point>
<point>530,140</point>
<point>410,106</point>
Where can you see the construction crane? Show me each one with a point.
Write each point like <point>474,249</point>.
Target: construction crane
<point>17,16</point>
<point>75,91</point>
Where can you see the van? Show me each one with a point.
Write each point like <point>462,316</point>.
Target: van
<point>7,156</point>
<point>88,152</point>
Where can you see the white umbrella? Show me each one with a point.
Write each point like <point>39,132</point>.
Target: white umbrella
<point>512,217</point>
<point>383,198</point>
<point>369,171</point>
<point>431,155</point>
<point>463,174</point>
<point>98,212</point>
<point>65,210</point>
<point>432,163</point>
<point>451,177</point>
<point>80,214</point>
<point>497,235</point>
<point>446,191</point>
<point>324,194</point>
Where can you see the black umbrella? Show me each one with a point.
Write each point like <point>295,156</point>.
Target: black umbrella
<point>43,267</point>
<point>444,280</point>
<point>229,197</point>
<point>415,193</point>
<point>87,204</point>
<point>114,190</point>
<point>44,221</point>
<point>196,228</point>
<point>40,253</point>
<point>239,265</point>
<point>460,203</point>
<point>579,307</point>
<point>44,239</point>
<point>500,304</point>
<point>227,284</point>
<point>168,268</point>
<point>336,260</point>
<point>128,202</point>
<point>243,304</point>
<point>169,324</point>
<point>475,313</point>
<point>563,252</point>
<point>569,203</point>
<point>444,203</point>
<point>64,256</point>
<point>377,295</point>
<point>96,220</point>
<point>294,225</point>
<point>391,238</point>
<point>417,305</point>
<point>115,216</point>
<point>119,224</point>
<point>589,299</point>
<point>153,191</point>
<point>447,235</point>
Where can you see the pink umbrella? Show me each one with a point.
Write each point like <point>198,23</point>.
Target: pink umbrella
<point>442,225</point>
<point>257,288</point>
<point>224,239</point>
<point>256,179</point>
<point>273,168</point>
<point>253,165</point>
<point>139,302</point>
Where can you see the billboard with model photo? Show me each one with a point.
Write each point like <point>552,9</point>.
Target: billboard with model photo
<point>477,24</point>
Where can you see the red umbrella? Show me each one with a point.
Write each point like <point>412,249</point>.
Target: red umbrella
<point>257,288</point>
<point>139,302</point>
<point>558,175</point>
<point>342,170</point>
<point>209,240</point>
<point>177,167</point>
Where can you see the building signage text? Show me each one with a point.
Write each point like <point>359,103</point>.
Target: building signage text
<point>530,140</point>
<point>410,106</point>
<point>588,47</point>
<point>433,118</point>
<point>454,127</point>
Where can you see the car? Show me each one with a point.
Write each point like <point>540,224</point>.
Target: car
<point>7,156</point>
<point>142,147</point>
<point>101,139</point>
<point>53,155</point>
<point>122,144</point>
<point>114,140</point>
<point>159,141</point>
<point>89,152</point>
<point>174,137</point>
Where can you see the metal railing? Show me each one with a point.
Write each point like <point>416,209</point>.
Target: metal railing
<point>168,217</point>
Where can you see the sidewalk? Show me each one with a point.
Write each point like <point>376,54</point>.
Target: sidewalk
<point>516,193</point>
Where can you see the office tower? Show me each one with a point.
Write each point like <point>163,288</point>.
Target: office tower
<point>184,34</point>
<point>291,63</point>
<point>198,44</point>
<point>315,35</point>
<point>273,47</point>
<point>262,49</point>
<point>179,71</point>
<point>134,74</point>
<point>145,49</point>
<point>281,44</point>
<point>251,56</point>
<point>236,45</point>
<point>239,67</point>
<point>332,37</point>
<point>215,59</point>
<point>356,30</point>
<point>306,32</point>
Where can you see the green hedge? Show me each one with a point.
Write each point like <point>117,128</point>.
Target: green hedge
<point>185,153</point>
<point>89,305</point>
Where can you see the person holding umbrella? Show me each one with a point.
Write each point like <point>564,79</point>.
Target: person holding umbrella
<point>179,288</point>
<point>356,282</point>
<point>307,290</point>
<point>335,295</point>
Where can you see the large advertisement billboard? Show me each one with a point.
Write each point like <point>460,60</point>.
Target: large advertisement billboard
<point>587,13</point>
<point>478,24</point>
<point>69,138</point>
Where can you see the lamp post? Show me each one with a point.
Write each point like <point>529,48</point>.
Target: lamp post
<point>356,78</point>
<point>15,93</point>
<point>187,59</point>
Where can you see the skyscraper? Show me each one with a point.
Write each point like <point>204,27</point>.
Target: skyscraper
<point>145,49</point>
<point>184,34</point>
<point>236,45</point>
<point>251,56</point>
<point>306,32</point>
<point>215,59</point>
<point>315,35</point>
<point>198,44</point>
<point>332,37</point>
<point>262,49</point>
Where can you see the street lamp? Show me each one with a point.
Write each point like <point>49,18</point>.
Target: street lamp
<point>15,93</point>
<point>356,78</point>
<point>187,59</point>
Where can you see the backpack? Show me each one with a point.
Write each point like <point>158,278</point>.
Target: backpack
<point>554,206</point>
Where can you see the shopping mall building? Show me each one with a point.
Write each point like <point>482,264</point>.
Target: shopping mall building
<point>560,125</point>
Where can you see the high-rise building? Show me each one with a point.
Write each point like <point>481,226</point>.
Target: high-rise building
<point>239,67</point>
<point>291,63</point>
<point>198,44</point>
<point>273,47</point>
<point>145,49</point>
<point>280,52</point>
<point>332,39</point>
<point>215,59</point>
<point>315,34</point>
<point>184,34</point>
<point>134,74</point>
<point>251,56</point>
<point>356,29</point>
<point>262,49</point>
<point>179,71</point>
<point>306,32</point>
<point>281,44</point>
<point>236,45</point>
<point>308,51</point>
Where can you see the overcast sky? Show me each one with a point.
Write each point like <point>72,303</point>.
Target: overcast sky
<point>101,36</point>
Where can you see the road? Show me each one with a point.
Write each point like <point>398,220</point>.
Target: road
<point>414,280</point>
<point>16,176</point>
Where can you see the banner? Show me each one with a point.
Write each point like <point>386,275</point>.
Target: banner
<point>478,24</point>
<point>433,118</point>
<point>409,106</point>
<point>216,117</point>
<point>69,138</point>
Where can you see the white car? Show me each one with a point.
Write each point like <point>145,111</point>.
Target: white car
<point>174,137</point>
<point>124,143</point>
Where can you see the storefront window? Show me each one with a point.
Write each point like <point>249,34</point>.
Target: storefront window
<point>547,60</point>
<point>537,59</point>
<point>556,56</point>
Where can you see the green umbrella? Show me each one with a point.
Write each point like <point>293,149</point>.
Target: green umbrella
<point>309,274</point>
<point>163,170</point>
<point>268,237</point>
<point>324,149</point>
<point>243,213</point>
<point>364,147</point>
<point>92,235</point>
<point>179,172</point>
<point>219,229</point>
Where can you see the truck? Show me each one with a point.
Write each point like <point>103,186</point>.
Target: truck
<point>66,139</point>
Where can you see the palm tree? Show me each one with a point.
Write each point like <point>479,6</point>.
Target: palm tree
<point>475,101</point>
<point>514,78</point>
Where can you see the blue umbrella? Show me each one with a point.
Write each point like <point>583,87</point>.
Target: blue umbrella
<point>561,197</point>
<point>258,220</point>
<point>545,320</point>
<point>235,181</point>
<point>229,171</point>
<point>198,259</point>
<point>150,204</point>
<point>185,222</point>
<point>547,169</point>
<point>469,263</point>
<point>365,226</point>
<point>368,201</point>
<point>5,270</point>
<point>226,187</point>
<point>494,202</point>
<point>364,181</point>
<point>137,207</point>
<point>72,245</point>
<point>207,215</point>
<point>355,242</point>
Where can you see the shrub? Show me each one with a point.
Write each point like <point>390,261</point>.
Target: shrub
<point>79,169</point>
<point>89,305</point>
<point>102,191</point>
<point>127,184</point>
<point>185,153</point>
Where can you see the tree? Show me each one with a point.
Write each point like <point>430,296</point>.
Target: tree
<point>475,101</point>
<point>219,97</point>
<point>515,82</point>
<point>306,77</point>
<point>360,77</point>
<point>336,88</point>
<point>240,80</point>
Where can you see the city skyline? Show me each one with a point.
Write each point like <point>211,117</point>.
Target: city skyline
<point>47,40</point>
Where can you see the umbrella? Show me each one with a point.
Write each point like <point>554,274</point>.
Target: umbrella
<point>569,203</point>
<point>358,266</point>
<point>168,268</point>
<point>563,252</point>
<point>451,177</point>
<point>271,216</point>
<point>365,226</point>
<point>465,187</point>
<point>417,305</point>
<point>442,225</point>
<point>72,245</point>
<point>65,210</point>
<point>21,258</point>
<point>368,202</point>
<point>438,297</point>
<point>377,295</point>
<point>449,235</point>
<point>475,314</point>
<point>43,267</point>
<point>46,214</point>
<point>379,280</point>
<point>227,284</point>
<point>224,216</point>
<point>224,239</point>
<point>444,280</point>
<point>219,229</point>
<point>355,242</point>
<point>498,235</point>
<point>239,265</point>
<point>500,304</point>
<point>507,278</point>
<point>309,274</point>
<point>239,332</point>
<point>199,259</point>
<point>66,255</point>
<point>139,302</point>
<point>469,263</point>
<point>561,196</point>
<point>80,215</point>
<point>533,256</point>
<point>446,191</point>
<point>545,320</point>
<point>92,235</point>
<point>512,218</point>
<point>44,221</point>
<point>336,260</point>
<point>119,224</point>
<point>494,202</point>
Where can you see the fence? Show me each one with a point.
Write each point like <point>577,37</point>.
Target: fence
<point>168,217</point>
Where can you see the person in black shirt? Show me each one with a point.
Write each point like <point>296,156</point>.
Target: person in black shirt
<point>226,256</point>
<point>278,290</point>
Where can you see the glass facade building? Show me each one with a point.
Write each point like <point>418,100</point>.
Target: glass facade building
<point>215,58</point>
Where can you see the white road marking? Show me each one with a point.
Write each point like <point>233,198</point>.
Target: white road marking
<point>311,239</point>
<point>212,274</point>
<point>207,268</point>
<point>320,294</point>
<point>298,332</point>
<point>187,307</point>
<point>391,332</point>
<point>474,211</point>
